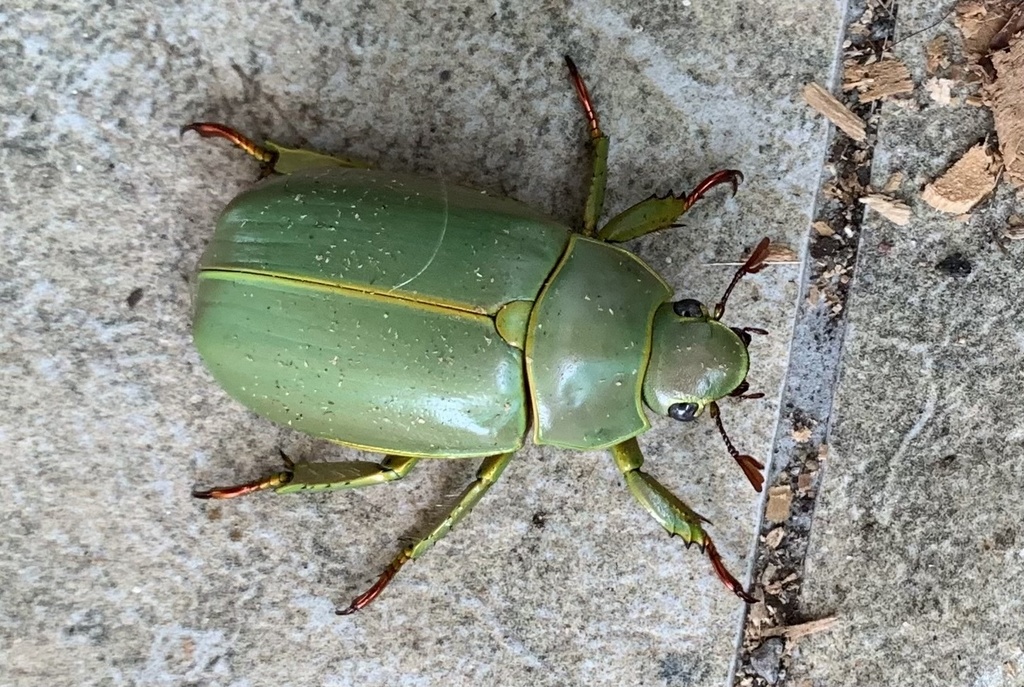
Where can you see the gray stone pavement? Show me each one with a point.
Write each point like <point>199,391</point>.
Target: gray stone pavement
<point>113,575</point>
<point>916,545</point>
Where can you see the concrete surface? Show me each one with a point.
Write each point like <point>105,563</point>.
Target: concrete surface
<point>113,575</point>
<point>916,545</point>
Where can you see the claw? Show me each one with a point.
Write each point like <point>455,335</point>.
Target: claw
<point>729,176</point>
<point>215,130</point>
<point>723,573</point>
<point>364,599</point>
<point>278,479</point>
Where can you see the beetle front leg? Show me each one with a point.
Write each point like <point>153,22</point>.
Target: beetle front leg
<point>670,512</point>
<point>307,476</point>
<point>275,158</point>
<point>655,213</point>
<point>489,472</point>
<point>599,143</point>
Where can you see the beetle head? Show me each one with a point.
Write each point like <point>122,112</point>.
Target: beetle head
<point>696,360</point>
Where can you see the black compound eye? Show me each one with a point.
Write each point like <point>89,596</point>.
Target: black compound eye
<point>688,307</point>
<point>744,336</point>
<point>684,412</point>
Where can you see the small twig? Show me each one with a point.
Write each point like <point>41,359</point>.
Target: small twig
<point>802,629</point>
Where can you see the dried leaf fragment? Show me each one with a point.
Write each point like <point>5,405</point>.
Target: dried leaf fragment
<point>979,21</point>
<point>893,210</point>
<point>834,111</point>
<point>1006,98</point>
<point>879,80</point>
<point>966,183</point>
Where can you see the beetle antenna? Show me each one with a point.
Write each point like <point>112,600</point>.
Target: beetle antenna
<point>751,466</point>
<point>754,264</point>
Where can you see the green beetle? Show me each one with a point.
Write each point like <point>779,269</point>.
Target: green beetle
<point>411,317</point>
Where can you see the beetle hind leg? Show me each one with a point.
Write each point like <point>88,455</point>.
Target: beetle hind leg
<point>670,512</point>
<point>313,477</point>
<point>274,158</point>
<point>489,472</point>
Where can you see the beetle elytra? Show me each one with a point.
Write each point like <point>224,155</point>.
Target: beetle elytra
<point>415,318</point>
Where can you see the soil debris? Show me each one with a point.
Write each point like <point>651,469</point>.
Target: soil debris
<point>966,183</point>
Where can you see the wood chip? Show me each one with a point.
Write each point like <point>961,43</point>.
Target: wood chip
<point>966,183</point>
<point>1006,98</point>
<point>802,435</point>
<point>774,538</point>
<point>883,79</point>
<point>779,501</point>
<point>936,54</point>
<point>940,90</point>
<point>893,210</point>
<point>802,629</point>
<point>834,111</point>
<point>823,228</point>
<point>778,254</point>
<point>894,183</point>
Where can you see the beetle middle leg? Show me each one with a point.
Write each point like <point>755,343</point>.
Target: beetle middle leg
<point>275,158</point>
<point>489,472</point>
<point>307,476</point>
<point>670,512</point>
